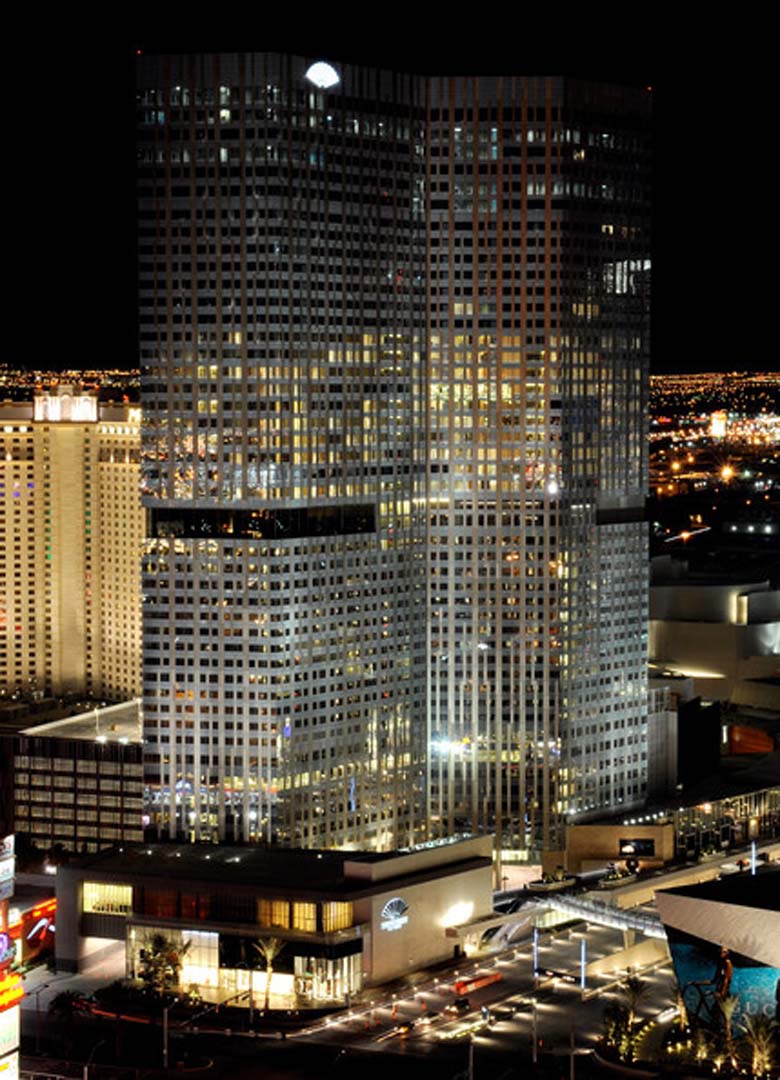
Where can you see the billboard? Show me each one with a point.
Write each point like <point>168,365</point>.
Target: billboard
<point>9,1067</point>
<point>708,973</point>
<point>11,990</point>
<point>7,867</point>
<point>9,1030</point>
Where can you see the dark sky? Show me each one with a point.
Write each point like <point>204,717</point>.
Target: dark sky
<point>70,165</point>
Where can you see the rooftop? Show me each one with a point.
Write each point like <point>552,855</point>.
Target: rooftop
<point>279,870</point>
<point>108,723</point>
<point>760,890</point>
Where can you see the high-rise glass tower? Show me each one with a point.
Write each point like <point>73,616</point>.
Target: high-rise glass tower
<point>538,222</point>
<point>394,348</point>
<point>281,253</point>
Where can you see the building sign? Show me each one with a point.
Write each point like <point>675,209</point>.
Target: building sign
<point>7,952</point>
<point>11,990</point>
<point>639,848</point>
<point>9,1067</point>
<point>707,974</point>
<point>393,915</point>
<point>9,1030</point>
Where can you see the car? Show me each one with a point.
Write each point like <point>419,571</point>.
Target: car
<point>401,1030</point>
<point>503,1012</point>
<point>459,1006</point>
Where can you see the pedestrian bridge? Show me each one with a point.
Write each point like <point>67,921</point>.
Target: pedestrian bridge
<point>514,924</point>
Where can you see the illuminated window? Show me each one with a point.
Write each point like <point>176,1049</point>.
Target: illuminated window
<point>305,917</point>
<point>100,899</point>
<point>337,916</point>
<point>273,913</point>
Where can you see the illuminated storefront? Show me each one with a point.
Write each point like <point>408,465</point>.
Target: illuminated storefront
<point>343,920</point>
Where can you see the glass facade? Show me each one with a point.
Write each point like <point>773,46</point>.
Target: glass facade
<point>217,966</point>
<point>281,288</point>
<point>78,792</point>
<point>394,347</point>
<point>538,220</point>
<point>104,899</point>
<point>320,978</point>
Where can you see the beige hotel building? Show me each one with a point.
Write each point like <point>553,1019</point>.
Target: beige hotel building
<point>71,530</point>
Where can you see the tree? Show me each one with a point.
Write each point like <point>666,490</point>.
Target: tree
<point>160,962</point>
<point>113,998</point>
<point>67,1008</point>
<point>269,949</point>
<point>622,1028</point>
<point>727,1005</point>
<point>633,991</point>
<point>759,1037</point>
<point>617,1033</point>
<point>682,1009</point>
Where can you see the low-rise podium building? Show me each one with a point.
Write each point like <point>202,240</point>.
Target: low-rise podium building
<point>346,919</point>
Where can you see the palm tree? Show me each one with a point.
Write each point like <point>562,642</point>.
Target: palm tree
<point>269,949</point>
<point>622,1028</point>
<point>113,998</point>
<point>682,1010</point>
<point>727,1005</point>
<point>68,1005</point>
<point>617,1034</point>
<point>759,1036</point>
<point>67,1008</point>
<point>633,991</point>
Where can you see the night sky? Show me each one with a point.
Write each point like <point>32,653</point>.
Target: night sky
<point>70,166</point>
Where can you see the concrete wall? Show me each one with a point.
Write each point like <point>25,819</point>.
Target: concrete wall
<point>716,655</point>
<point>763,606</point>
<point>700,603</point>
<point>758,695</point>
<point>645,952</point>
<point>592,846</point>
<point>422,939</point>
<point>713,633</point>
<point>662,736</point>
<point>67,940</point>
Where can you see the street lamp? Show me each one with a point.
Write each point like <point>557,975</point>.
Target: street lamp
<point>251,971</point>
<point>88,1062</point>
<point>164,1036</point>
<point>38,990</point>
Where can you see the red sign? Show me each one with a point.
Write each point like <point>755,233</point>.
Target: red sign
<point>11,991</point>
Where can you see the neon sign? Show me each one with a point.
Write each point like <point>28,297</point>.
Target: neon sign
<point>7,951</point>
<point>11,991</point>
